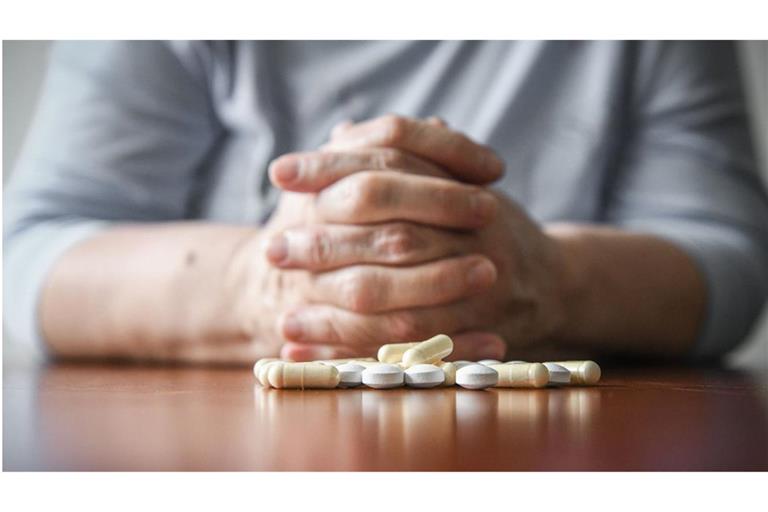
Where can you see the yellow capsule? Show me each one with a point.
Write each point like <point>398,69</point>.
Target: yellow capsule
<point>582,372</point>
<point>303,376</point>
<point>430,351</point>
<point>449,369</point>
<point>521,375</point>
<point>393,352</point>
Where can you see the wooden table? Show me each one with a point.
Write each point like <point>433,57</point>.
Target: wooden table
<point>102,417</point>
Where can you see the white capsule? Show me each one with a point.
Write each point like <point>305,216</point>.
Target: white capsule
<point>350,375</point>
<point>476,376</point>
<point>558,374</point>
<point>489,362</point>
<point>424,376</point>
<point>383,376</point>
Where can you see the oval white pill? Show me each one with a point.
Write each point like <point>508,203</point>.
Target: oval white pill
<point>424,376</point>
<point>489,362</point>
<point>476,376</point>
<point>383,376</point>
<point>350,375</point>
<point>558,374</point>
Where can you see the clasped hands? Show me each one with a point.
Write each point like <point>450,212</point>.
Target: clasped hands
<point>388,233</point>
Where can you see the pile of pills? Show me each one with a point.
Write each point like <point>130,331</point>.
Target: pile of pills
<point>421,365</point>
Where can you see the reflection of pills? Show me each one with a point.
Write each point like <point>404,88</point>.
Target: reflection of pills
<point>476,376</point>
<point>424,376</point>
<point>558,374</point>
<point>350,375</point>
<point>383,376</point>
<point>489,362</point>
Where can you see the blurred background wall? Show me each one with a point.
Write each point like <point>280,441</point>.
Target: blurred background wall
<point>24,65</point>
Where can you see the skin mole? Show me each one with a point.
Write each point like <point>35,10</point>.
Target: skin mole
<point>190,258</point>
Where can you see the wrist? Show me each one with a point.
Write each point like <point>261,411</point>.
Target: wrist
<point>572,282</point>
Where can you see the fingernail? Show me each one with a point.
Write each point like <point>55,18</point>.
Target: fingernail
<point>286,170</point>
<point>481,275</point>
<point>277,249</point>
<point>292,328</point>
<point>491,162</point>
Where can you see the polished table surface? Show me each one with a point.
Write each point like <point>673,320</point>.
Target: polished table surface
<point>111,417</point>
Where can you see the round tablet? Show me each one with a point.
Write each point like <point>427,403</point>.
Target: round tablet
<point>476,376</point>
<point>424,376</point>
<point>350,375</point>
<point>558,374</point>
<point>383,376</point>
<point>489,362</point>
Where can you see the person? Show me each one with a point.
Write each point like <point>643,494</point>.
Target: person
<point>226,201</point>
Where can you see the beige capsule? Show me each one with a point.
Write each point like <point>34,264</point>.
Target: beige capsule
<point>303,376</point>
<point>449,369</point>
<point>264,372</point>
<point>582,372</point>
<point>521,375</point>
<point>260,363</point>
<point>393,352</point>
<point>429,351</point>
<point>337,362</point>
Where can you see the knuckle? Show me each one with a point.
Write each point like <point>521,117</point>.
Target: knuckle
<point>389,158</point>
<point>357,292</point>
<point>394,129</point>
<point>397,242</point>
<point>320,248</point>
<point>367,190</point>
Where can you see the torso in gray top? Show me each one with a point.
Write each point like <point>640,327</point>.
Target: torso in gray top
<point>646,136</point>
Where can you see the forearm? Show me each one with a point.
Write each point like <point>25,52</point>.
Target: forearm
<point>627,293</point>
<point>161,291</point>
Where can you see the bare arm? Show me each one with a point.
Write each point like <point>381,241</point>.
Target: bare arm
<point>162,291</point>
<point>625,292</point>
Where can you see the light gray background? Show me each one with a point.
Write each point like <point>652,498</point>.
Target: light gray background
<point>24,65</point>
